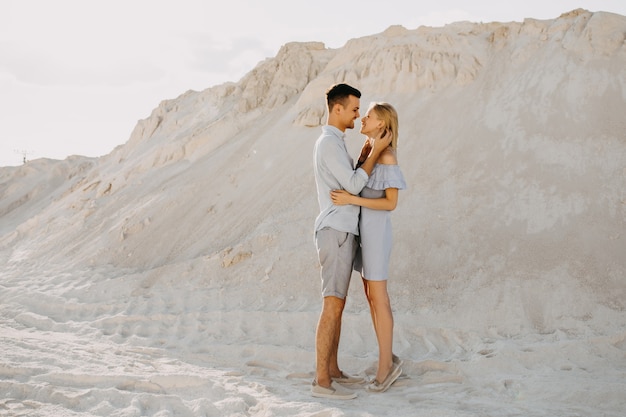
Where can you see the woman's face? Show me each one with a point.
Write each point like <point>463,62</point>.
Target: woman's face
<point>371,124</point>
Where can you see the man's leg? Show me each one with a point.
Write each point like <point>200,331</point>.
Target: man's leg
<point>327,340</point>
<point>336,252</point>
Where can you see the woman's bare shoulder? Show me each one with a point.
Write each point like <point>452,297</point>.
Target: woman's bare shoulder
<point>388,157</point>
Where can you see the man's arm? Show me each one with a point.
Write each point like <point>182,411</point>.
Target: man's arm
<point>338,167</point>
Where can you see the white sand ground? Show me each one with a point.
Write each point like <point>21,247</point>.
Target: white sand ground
<point>177,275</point>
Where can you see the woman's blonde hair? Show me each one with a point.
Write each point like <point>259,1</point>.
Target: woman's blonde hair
<point>388,114</point>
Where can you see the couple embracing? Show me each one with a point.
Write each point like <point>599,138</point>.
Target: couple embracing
<point>353,231</point>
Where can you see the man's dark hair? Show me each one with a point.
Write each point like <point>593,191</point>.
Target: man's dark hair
<point>339,93</point>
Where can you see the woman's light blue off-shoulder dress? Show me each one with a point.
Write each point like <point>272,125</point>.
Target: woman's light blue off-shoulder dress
<point>372,259</point>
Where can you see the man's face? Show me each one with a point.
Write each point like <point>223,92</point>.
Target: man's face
<point>350,112</point>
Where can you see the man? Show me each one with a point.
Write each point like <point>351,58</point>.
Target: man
<point>336,228</point>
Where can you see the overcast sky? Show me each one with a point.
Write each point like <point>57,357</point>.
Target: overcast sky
<point>77,75</point>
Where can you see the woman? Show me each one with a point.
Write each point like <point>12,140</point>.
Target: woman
<point>377,200</point>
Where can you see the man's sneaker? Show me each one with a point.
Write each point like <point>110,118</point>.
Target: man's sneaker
<point>335,391</point>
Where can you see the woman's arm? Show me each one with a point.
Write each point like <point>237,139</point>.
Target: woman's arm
<point>388,202</point>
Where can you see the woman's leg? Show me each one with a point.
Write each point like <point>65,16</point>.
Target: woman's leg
<point>382,319</point>
<point>369,301</point>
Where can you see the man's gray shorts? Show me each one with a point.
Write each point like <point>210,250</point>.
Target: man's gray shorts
<point>336,252</point>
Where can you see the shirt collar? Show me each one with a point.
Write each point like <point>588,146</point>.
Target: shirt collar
<point>332,129</point>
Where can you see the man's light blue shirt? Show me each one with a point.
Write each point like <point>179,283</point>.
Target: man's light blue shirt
<point>334,170</point>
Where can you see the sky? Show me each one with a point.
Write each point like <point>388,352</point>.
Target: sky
<point>77,75</point>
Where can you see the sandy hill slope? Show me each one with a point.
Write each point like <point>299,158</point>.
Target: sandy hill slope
<point>513,144</point>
